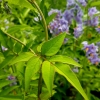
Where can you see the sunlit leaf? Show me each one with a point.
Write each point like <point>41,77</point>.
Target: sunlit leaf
<point>64,59</point>
<point>48,75</point>
<point>65,71</point>
<point>6,61</point>
<point>95,3</point>
<point>52,46</point>
<point>9,97</point>
<point>33,66</point>
<point>23,3</point>
<point>25,56</point>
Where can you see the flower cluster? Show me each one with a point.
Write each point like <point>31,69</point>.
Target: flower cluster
<point>73,2</point>
<point>58,25</point>
<point>91,52</point>
<point>92,11</point>
<point>73,11</point>
<point>78,30</point>
<point>62,21</point>
<point>82,2</point>
<point>93,21</point>
<point>12,78</point>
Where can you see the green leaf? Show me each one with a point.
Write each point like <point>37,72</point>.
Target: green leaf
<point>17,28</point>
<point>65,71</point>
<point>2,76</point>
<point>17,47</point>
<point>48,75</point>
<point>25,56</point>
<point>22,3</point>
<point>6,91</point>
<point>45,95</point>
<point>33,66</point>
<point>64,59</point>
<point>20,69</point>
<point>95,3</point>
<point>11,97</point>
<point>52,46</point>
<point>4,83</point>
<point>3,38</point>
<point>50,18</point>
<point>6,62</point>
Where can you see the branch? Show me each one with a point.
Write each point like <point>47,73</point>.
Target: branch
<point>44,21</point>
<point>18,41</point>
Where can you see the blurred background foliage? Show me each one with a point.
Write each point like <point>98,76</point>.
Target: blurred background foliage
<point>23,21</point>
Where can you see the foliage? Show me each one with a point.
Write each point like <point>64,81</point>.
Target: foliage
<point>48,49</point>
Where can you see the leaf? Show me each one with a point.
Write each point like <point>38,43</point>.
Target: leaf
<point>9,89</point>
<point>17,47</point>
<point>65,71</point>
<point>52,46</point>
<point>6,62</point>
<point>50,18</point>
<point>33,95</point>
<point>64,59</point>
<point>33,66</point>
<point>2,76</point>
<point>9,97</point>
<point>48,75</point>
<point>45,95</point>
<point>22,3</point>
<point>16,28</point>
<point>95,3</point>
<point>3,38</point>
<point>20,69</point>
<point>25,56</point>
<point>4,83</point>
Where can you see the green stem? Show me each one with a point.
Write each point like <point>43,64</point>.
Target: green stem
<point>18,41</point>
<point>44,21</point>
<point>46,39</point>
<point>40,84</point>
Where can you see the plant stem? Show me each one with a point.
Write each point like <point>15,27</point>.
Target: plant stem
<point>43,19</point>
<point>40,84</point>
<point>46,39</point>
<point>18,41</point>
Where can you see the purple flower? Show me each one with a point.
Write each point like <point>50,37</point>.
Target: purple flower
<point>78,30</point>
<point>12,78</point>
<point>98,44</point>
<point>94,60</point>
<point>92,22</point>
<point>77,7</point>
<point>69,15</point>
<point>65,40</point>
<point>92,11</point>
<point>90,48</point>
<point>58,12</point>
<point>58,26</point>
<point>82,2</point>
<point>79,17</point>
<point>98,29</point>
<point>91,52</point>
<point>70,3</point>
